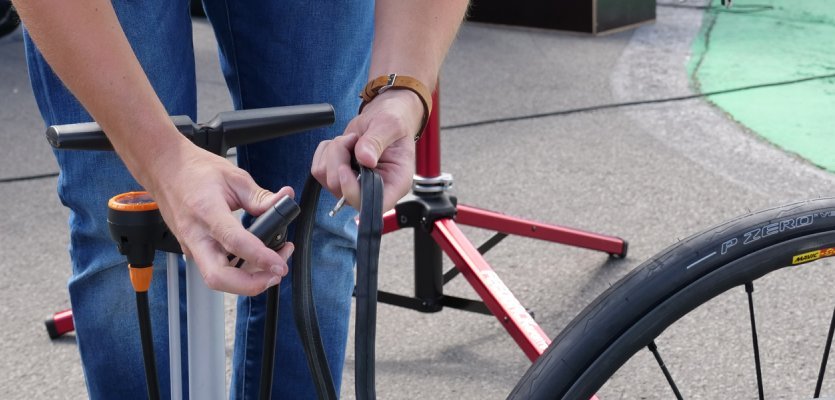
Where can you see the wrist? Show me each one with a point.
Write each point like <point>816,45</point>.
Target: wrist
<point>156,160</point>
<point>393,83</point>
<point>404,112</point>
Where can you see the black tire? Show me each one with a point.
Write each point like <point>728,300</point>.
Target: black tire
<point>629,315</point>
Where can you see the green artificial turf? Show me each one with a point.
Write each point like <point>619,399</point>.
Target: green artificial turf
<point>772,42</point>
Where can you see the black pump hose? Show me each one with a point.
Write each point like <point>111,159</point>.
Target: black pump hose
<point>146,335</point>
<point>268,355</point>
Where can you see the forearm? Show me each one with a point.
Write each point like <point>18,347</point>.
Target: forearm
<point>412,37</point>
<point>86,47</point>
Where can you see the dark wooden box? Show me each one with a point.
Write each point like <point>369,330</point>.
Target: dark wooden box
<point>591,16</point>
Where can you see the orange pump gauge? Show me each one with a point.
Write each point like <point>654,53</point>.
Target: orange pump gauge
<point>132,201</point>
<point>136,225</point>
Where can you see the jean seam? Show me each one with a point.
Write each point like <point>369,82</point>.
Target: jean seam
<point>234,52</point>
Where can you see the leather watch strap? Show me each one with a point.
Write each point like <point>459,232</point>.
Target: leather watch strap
<point>383,83</point>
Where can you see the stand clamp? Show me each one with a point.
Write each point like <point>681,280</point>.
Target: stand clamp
<point>428,202</point>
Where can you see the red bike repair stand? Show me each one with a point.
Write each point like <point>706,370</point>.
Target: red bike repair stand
<point>434,215</point>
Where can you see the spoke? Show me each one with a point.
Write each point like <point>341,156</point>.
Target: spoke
<point>825,356</point>
<point>749,288</point>
<point>654,349</point>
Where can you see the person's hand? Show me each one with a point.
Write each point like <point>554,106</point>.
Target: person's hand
<point>197,193</point>
<point>381,138</point>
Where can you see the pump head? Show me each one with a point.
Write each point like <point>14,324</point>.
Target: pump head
<point>136,226</point>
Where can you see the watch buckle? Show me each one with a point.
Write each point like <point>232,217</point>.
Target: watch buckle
<point>389,84</point>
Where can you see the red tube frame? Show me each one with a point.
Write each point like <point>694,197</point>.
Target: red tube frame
<point>63,321</point>
<point>497,297</point>
<point>59,324</point>
<point>428,148</point>
<point>498,222</point>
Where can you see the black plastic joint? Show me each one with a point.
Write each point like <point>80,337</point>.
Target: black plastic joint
<point>423,209</point>
<point>51,328</point>
<point>210,139</point>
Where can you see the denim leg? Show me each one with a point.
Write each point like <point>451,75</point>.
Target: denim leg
<point>287,52</point>
<point>100,292</point>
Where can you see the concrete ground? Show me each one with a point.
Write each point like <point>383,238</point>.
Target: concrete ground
<point>650,174</point>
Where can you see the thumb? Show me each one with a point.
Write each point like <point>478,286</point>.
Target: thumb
<point>256,200</point>
<point>370,146</point>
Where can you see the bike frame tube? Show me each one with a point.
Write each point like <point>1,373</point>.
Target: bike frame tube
<point>497,297</point>
<point>206,342</point>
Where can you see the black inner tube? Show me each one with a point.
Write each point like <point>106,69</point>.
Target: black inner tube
<point>368,253</point>
<point>368,248</point>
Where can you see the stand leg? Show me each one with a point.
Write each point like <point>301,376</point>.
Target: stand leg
<point>429,276</point>
<point>502,223</point>
<point>501,302</point>
<point>59,323</point>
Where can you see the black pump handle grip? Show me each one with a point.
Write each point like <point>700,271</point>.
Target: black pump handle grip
<point>252,126</point>
<point>90,136</point>
<point>226,130</point>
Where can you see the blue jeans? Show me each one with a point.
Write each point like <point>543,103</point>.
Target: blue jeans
<point>273,53</point>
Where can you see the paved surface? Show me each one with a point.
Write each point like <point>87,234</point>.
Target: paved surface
<point>650,174</point>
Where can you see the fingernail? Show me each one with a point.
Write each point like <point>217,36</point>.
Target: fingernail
<point>273,281</point>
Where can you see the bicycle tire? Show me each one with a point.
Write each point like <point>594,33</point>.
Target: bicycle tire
<point>630,314</point>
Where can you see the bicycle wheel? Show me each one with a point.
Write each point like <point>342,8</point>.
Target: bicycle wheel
<point>631,314</point>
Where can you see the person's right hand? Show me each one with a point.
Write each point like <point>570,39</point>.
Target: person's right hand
<point>197,193</point>
<point>195,190</point>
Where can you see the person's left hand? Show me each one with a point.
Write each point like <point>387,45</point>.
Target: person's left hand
<point>382,138</point>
